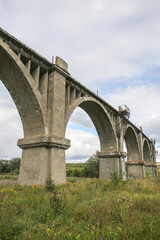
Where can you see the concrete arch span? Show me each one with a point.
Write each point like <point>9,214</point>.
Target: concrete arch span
<point>110,156</point>
<point>146,152</point>
<point>20,84</point>
<point>132,145</point>
<point>100,119</point>
<point>135,164</point>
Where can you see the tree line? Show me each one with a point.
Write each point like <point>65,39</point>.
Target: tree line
<point>88,169</point>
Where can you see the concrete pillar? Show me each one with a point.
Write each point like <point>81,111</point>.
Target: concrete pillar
<point>149,168</point>
<point>19,55</point>
<point>155,170</point>
<point>109,161</point>
<point>140,141</point>
<point>42,156</point>
<point>28,65</point>
<point>43,88</point>
<point>73,93</point>
<point>135,169</point>
<point>56,103</point>
<point>36,74</point>
<point>120,135</point>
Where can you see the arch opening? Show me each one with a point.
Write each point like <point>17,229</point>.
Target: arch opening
<point>146,153</point>
<point>83,135</point>
<point>131,145</point>
<point>100,120</point>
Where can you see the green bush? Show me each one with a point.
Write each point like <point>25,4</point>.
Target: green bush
<point>50,185</point>
<point>115,177</point>
<point>91,169</point>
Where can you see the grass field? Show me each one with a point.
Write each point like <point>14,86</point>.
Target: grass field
<point>8,176</point>
<point>83,209</point>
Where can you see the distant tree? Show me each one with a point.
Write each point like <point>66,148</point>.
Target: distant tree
<point>15,164</point>
<point>92,166</point>
<point>4,166</point>
<point>12,165</point>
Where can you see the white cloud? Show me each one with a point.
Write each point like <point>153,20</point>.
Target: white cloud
<point>83,144</point>
<point>80,117</point>
<point>143,101</point>
<point>10,126</point>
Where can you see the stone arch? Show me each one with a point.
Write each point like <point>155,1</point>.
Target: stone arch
<point>20,84</point>
<point>146,152</point>
<point>132,145</point>
<point>100,119</point>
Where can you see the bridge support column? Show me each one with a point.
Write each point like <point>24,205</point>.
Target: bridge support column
<point>150,169</point>
<point>135,169</point>
<point>109,161</point>
<point>155,170</point>
<point>43,156</point>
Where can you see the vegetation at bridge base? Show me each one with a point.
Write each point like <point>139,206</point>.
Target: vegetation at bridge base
<point>88,169</point>
<point>86,209</point>
<point>10,166</point>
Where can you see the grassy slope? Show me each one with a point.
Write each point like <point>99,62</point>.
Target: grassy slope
<point>82,209</point>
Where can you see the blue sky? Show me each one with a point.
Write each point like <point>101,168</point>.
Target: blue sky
<point>112,46</point>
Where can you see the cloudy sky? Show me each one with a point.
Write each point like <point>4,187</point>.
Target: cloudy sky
<point>112,46</point>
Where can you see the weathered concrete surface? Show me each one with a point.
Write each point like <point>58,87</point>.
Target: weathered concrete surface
<point>111,161</point>
<point>135,169</point>
<point>46,95</point>
<point>34,166</point>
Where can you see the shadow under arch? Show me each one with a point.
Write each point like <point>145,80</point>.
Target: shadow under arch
<point>132,145</point>
<point>21,87</point>
<point>100,119</point>
<point>146,152</point>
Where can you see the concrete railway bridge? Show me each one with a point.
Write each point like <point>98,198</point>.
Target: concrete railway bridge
<point>46,95</point>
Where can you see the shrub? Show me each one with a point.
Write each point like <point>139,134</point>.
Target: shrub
<point>50,185</point>
<point>115,178</point>
<point>92,167</point>
<point>148,174</point>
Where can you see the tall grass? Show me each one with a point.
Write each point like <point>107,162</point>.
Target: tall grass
<point>81,209</point>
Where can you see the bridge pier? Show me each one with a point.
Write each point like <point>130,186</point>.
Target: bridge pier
<point>42,156</point>
<point>135,169</point>
<point>155,170</point>
<point>150,169</point>
<point>110,161</point>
